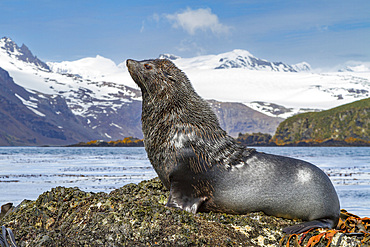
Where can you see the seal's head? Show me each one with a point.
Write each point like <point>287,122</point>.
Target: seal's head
<point>159,79</point>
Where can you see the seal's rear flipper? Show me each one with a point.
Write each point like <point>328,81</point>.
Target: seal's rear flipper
<point>303,227</point>
<point>177,199</point>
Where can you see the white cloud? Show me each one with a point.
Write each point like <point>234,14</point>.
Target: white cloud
<point>199,19</point>
<point>190,45</point>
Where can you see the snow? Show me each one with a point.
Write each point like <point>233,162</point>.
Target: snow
<point>81,92</point>
<point>296,90</point>
<point>26,102</point>
<point>36,112</point>
<point>116,125</point>
<point>304,66</point>
<point>93,68</point>
<point>238,57</point>
<point>30,105</point>
<point>357,66</point>
<point>293,90</point>
<point>101,79</point>
<point>33,99</point>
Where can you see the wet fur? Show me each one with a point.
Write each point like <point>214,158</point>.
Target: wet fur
<point>207,170</point>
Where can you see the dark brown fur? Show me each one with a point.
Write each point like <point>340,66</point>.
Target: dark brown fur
<point>206,170</point>
<point>171,107</point>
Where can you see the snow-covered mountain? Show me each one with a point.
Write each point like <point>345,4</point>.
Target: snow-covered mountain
<point>92,68</point>
<point>28,118</point>
<point>276,85</point>
<point>22,53</point>
<point>293,86</point>
<point>96,94</point>
<point>360,67</point>
<point>302,67</point>
<point>105,109</point>
<point>236,59</point>
<point>274,110</point>
<point>104,99</point>
<point>251,79</point>
<point>243,59</point>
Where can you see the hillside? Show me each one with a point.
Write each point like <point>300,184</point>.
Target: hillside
<point>89,99</point>
<point>96,99</point>
<point>238,118</point>
<point>344,125</point>
<point>23,118</point>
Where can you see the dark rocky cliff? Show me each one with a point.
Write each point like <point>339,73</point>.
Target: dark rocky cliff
<point>237,118</point>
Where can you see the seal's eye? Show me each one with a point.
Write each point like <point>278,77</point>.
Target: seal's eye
<point>147,66</point>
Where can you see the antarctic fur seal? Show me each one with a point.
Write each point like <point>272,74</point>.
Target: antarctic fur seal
<point>207,170</point>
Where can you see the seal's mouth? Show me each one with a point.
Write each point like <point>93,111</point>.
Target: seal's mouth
<point>129,63</point>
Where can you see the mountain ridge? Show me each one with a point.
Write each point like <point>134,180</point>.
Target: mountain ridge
<point>239,58</point>
<point>76,107</point>
<point>22,53</point>
<point>101,96</point>
<point>23,123</point>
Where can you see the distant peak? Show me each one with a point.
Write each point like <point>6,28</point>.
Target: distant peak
<point>244,59</point>
<point>169,57</point>
<point>302,67</point>
<point>8,44</point>
<point>6,39</point>
<point>241,52</point>
<point>21,53</point>
<point>356,67</point>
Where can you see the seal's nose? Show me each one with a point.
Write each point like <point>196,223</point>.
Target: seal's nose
<point>130,62</point>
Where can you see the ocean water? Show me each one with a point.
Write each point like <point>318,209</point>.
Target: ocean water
<point>26,172</point>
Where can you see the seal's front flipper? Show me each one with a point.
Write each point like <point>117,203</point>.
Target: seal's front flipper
<point>185,201</point>
<point>305,226</point>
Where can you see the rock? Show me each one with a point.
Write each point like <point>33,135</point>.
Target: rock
<point>135,215</point>
<point>5,209</point>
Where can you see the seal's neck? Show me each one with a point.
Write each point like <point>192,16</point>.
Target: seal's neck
<point>189,111</point>
<point>192,125</point>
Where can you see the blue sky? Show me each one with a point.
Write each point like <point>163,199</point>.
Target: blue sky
<point>324,33</point>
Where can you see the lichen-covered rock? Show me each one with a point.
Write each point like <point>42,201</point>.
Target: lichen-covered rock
<point>135,215</point>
